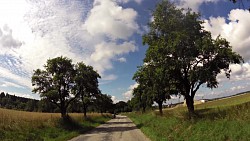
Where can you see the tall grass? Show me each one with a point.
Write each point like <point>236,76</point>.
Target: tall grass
<point>19,125</point>
<point>217,122</point>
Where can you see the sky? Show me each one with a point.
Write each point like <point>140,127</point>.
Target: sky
<point>106,34</point>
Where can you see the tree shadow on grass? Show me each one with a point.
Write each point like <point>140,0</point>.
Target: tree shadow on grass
<point>68,123</point>
<point>140,125</point>
<point>71,125</point>
<point>94,120</point>
<point>208,113</point>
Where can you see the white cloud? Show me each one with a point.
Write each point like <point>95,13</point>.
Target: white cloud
<point>6,38</point>
<point>237,88</point>
<point>122,59</point>
<point>108,19</point>
<point>239,72</point>
<point>114,99</point>
<point>236,31</point>
<point>126,1</point>
<point>10,84</point>
<point>193,4</point>
<point>19,80</point>
<point>25,95</point>
<point>129,93</point>
<point>101,59</point>
<point>109,77</point>
<point>95,32</point>
<point>44,28</point>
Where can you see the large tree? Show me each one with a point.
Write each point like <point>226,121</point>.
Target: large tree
<point>141,99</point>
<point>153,81</point>
<point>86,84</point>
<point>186,51</point>
<point>55,82</point>
<point>104,103</point>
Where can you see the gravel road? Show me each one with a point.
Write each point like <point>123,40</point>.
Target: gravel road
<point>119,129</point>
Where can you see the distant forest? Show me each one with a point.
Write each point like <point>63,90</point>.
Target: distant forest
<point>10,101</point>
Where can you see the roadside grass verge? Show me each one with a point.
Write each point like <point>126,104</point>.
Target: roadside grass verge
<point>217,123</point>
<point>27,126</point>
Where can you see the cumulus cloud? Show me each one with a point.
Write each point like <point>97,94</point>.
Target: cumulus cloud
<point>193,4</point>
<point>126,1</point>
<point>235,28</point>
<point>114,99</point>
<point>6,38</point>
<point>106,51</point>
<point>239,72</point>
<point>129,93</point>
<point>236,31</point>
<point>122,59</point>
<point>114,25</point>
<point>108,19</point>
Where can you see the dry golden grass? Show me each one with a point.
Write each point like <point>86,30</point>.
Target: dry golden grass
<point>12,119</point>
<point>21,125</point>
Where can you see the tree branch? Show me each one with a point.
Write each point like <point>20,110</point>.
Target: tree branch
<point>52,101</point>
<point>196,89</point>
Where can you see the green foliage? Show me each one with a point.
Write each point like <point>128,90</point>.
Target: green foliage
<point>182,56</point>
<point>19,103</point>
<point>122,106</point>
<point>153,80</point>
<point>141,99</point>
<point>86,84</point>
<point>104,103</point>
<point>55,82</point>
<point>62,82</point>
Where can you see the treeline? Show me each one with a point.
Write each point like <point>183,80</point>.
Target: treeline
<point>19,103</point>
<point>100,105</point>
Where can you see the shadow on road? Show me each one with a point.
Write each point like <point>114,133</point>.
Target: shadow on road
<point>119,122</point>
<point>113,129</point>
<point>120,117</point>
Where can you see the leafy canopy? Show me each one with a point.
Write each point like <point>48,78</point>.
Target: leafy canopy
<point>62,82</point>
<point>183,53</point>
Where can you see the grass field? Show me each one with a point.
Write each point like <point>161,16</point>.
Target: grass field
<point>221,120</point>
<point>31,126</point>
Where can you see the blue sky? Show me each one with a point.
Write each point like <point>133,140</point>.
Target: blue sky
<point>107,35</point>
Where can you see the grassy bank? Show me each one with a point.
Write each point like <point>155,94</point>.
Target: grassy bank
<point>218,122</point>
<point>19,125</point>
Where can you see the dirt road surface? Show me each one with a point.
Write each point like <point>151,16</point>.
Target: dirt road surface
<point>119,129</point>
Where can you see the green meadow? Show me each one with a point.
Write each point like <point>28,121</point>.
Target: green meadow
<point>226,119</point>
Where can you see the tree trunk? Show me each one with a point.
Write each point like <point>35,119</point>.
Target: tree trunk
<point>143,109</point>
<point>85,110</point>
<point>63,112</point>
<point>190,106</point>
<point>160,107</point>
